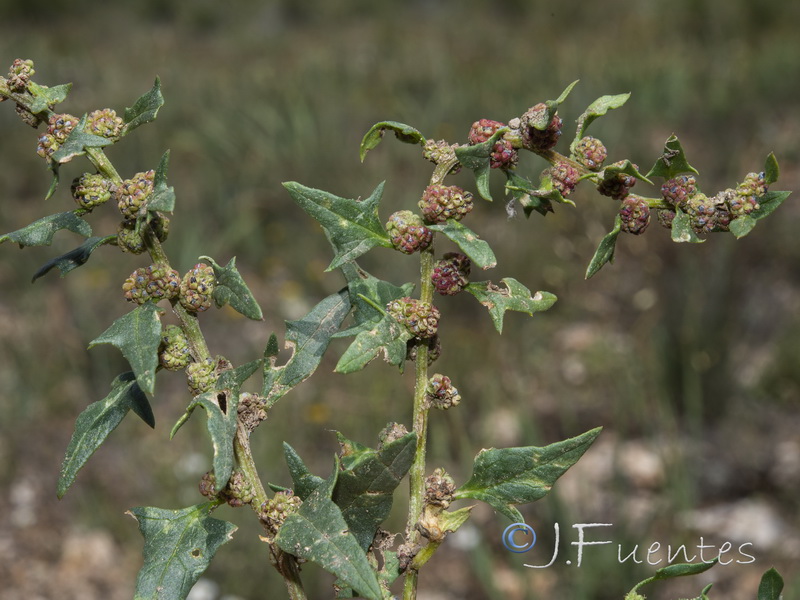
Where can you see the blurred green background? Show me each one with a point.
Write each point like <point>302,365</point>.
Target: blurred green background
<point>687,355</point>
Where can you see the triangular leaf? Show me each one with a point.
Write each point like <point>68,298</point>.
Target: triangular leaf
<point>41,232</point>
<point>351,226</point>
<point>479,252</point>
<point>508,476</point>
<point>596,109</point>
<point>366,484</point>
<point>771,585</point>
<point>387,337</point>
<point>308,338</point>
<point>97,421</point>
<point>221,410</point>
<point>178,547</point>
<point>771,169</point>
<point>682,230</point>
<point>77,142</point>
<point>47,97</point>
<point>138,336</point>
<point>672,162</point>
<point>145,109</point>
<point>234,378</point>
<point>605,250</point>
<point>74,258</point>
<point>319,533</point>
<point>303,480</point>
<point>163,197</point>
<point>231,289</point>
<point>515,297</point>
<point>404,133</point>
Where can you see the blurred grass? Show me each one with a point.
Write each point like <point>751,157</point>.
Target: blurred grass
<point>671,342</point>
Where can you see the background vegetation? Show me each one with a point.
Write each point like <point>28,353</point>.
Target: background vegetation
<point>687,355</point>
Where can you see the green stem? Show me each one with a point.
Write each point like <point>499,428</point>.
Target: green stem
<point>420,424</point>
<point>100,161</point>
<point>244,458</point>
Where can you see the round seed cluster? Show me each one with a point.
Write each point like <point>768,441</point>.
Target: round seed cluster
<point>420,318</point>
<point>156,282</point>
<point>196,288</point>
<point>635,214</point>
<point>451,274</point>
<point>19,75</point>
<point>90,190</point>
<point>275,511</point>
<point>104,122</point>
<point>442,202</point>
<point>677,190</point>
<point>441,393</point>
<point>407,232</point>
<point>564,177</point>
<point>132,194</point>
<point>619,185</point>
<point>58,129</point>
<point>173,353</point>
<point>201,376</point>
<point>534,138</point>
<point>129,240</point>
<point>591,152</point>
<point>439,488</point>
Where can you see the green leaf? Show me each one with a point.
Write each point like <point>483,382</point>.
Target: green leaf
<point>220,407</point>
<point>626,167</point>
<point>163,198</point>
<point>605,251</point>
<point>386,336</point>
<point>515,297</point>
<point>77,142</point>
<point>41,232</point>
<point>178,547</point>
<point>365,292</point>
<point>47,97</point>
<point>683,569</point>
<point>304,481</point>
<point>452,520</point>
<point>767,204</point>
<point>145,109</point>
<point>319,533</point>
<point>479,252</point>
<point>507,476</point>
<point>771,169</point>
<point>522,190</point>
<point>672,162</point>
<point>351,226</point>
<point>476,158</point>
<point>404,133</point>
<point>742,225</point>
<point>74,258</point>
<point>367,481</point>
<point>596,109</point>
<point>551,107</point>
<point>53,166</point>
<point>231,289</point>
<point>308,338</point>
<point>97,421</point>
<point>771,585</point>
<point>137,335</point>
<point>682,230</point>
